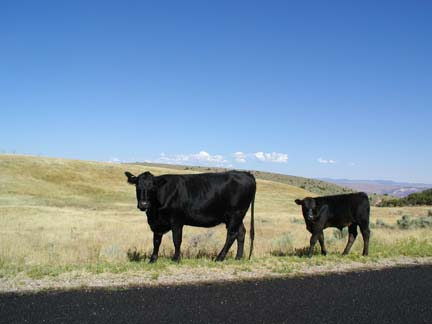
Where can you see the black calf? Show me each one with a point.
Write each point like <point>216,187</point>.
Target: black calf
<point>338,211</point>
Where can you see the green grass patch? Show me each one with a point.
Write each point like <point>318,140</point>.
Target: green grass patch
<point>411,248</point>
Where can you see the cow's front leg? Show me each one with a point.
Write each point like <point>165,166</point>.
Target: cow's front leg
<point>313,240</point>
<point>321,241</point>
<point>157,239</point>
<point>177,233</point>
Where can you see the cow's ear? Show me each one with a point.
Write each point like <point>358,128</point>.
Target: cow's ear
<point>131,178</point>
<point>299,202</point>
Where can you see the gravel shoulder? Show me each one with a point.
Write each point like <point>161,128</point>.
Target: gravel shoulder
<point>184,274</point>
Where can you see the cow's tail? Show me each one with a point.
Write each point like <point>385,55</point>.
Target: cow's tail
<point>252,227</point>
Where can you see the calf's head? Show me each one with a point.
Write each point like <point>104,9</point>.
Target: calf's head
<point>310,209</point>
<point>145,185</point>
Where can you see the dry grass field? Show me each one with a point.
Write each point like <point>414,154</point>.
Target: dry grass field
<point>62,216</point>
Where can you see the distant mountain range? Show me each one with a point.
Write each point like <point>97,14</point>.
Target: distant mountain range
<point>383,187</point>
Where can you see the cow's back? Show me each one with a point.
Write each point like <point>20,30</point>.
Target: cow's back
<point>209,192</point>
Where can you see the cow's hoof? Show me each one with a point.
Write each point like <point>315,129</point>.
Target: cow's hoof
<point>238,258</point>
<point>219,259</point>
<point>324,253</point>
<point>153,259</point>
<point>175,259</point>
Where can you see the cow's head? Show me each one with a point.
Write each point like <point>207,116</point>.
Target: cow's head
<point>145,185</point>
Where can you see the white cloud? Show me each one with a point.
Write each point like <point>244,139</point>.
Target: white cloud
<point>201,157</point>
<point>325,161</point>
<point>240,157</point>
<point>114,160</point>
<point>206,158</point>
<point>272,157</point>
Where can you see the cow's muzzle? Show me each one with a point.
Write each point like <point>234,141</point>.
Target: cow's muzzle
<point>143,205</point>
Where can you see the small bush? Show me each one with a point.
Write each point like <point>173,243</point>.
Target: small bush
<point>423,222</point>
<point>429,213</point>
<point>304,251</point>
<point>282,246</point>
<point>381,224</point>
<point>203,245</point>
<point>134,255</point>
<point>297,220</point>
<point>406,222</point>
<point>340,234</point>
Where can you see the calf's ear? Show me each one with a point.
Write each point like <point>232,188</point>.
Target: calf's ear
<point>299,202</point>
<point>131,178</point>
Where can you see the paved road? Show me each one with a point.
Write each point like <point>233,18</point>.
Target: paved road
<point>401,295</point>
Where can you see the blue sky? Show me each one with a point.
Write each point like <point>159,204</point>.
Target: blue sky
<point>338,89</point>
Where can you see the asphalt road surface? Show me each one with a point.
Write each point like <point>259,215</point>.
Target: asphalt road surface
<point>400,295</point>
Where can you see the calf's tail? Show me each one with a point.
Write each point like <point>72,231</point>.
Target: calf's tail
<point>252,228</point>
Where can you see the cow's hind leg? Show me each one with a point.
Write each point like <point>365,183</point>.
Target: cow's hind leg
<point>364,229</point>
<point>233,228</point>
<point>177,233</point>
<point>240,241</point>
<point>352,230</point>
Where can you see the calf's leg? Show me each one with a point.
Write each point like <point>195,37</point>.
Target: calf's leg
<point>313,240</point>
<point>240,241</point>
<point>352,230</point>
<point>157,239</point>
<point>321,241</point>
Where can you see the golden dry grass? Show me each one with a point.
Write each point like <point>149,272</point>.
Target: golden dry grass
<point>56,212</point>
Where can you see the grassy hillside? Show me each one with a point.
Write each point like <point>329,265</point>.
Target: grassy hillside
<point>32,181</point>
<point>64,216</point>
<point>74,210</point>
<point>317,187</point>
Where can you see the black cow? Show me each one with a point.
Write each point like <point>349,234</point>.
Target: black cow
<point>338,211</point>
<point>203,200</point>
